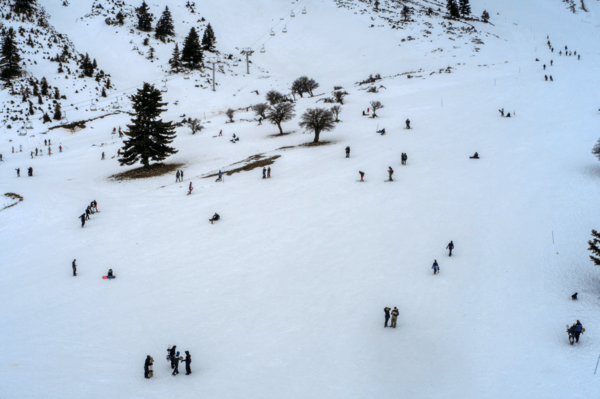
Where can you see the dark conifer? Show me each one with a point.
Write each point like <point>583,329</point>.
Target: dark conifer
<point>87,66</point>
<point>175,60</point>
<point>23,6</point>
<point>10,63</point>
<point>148,136</point>
<point>164,26</point>
<point>104,92</point>
<point>594,248</point>
<point>209,39</point>
<point>57,112</point>
<point>47,118</point>
<point>44,86</point>
<point>464,8</point>
<point>191,55</point>
<point>145,18</point>
<point>120,18</point>
<point>56,93</point>
<point>452,8</point>
<point>485,16</point>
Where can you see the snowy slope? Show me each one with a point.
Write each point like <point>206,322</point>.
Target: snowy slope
<point>284,296</point>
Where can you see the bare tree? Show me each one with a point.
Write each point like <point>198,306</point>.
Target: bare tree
<point>376,105</point>
<point>274,97</point>
<point>260,110</point>
<point>299,86</point>
<point>280,113</point>
<point>317,120</point>
<point>335,110</point>
<point>311,85</point>
<point>229,114</point>
<point>596,149</point>
<point>406,13</point>
<point>339,96</point>
<point>195,125</point>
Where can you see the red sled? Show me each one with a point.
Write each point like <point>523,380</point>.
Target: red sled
<point>108,278</point>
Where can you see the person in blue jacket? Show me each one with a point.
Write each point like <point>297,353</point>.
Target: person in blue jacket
<point>578,330</point>
<point>435,267</point>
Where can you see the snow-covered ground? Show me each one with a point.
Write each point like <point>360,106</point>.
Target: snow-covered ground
<point>284,296</point>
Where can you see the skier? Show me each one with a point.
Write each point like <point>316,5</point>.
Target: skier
<point>30,171</point>
<point>362,175</point>
<point>387,315</point>
<point>175,363</point>
<point>408,123</point>
<point>269,172</point>
<point>264,172</point>
<point>220,176</point>
<point>348,152</point>
<point>450,247</point>
<point>435,267</point>
<point>74,268</point>
<point>191,188</point>
<point>382,131</point>
<point>574,296</point>
<point>60,148</point>
<point>214,218</point>
<point>404,158</point>
<point>501,112</point>
<point>177,177</point>
<point>82,217</point>
<point>181,172</point>
<point>110,273</point>
<point>475,156</point>
<point>391,172</point>
<point>395,314</point>
<point>18,172</point>
<point>188,362</point>
<point>102,159</point>
<point>148,373</point>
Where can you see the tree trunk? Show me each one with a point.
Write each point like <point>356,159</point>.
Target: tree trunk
<point>279,126</point>
<point>317,132</point>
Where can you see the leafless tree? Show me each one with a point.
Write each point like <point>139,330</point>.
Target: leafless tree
<point>339,96</point>
<point>335,110</point>
<point>317,120</point>
<point>279,113</point>
<point>195,125</point>
<point>376,105</point>
<point>229,114</point>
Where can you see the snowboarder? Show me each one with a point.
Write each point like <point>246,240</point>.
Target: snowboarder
<point>362,175</point>
<point>390,172</point>
<point>408,123</point>
<point>348,152</point>
<point>220,176</point>
<point>110,273</point>
<point>214,218</point>
<point>450,247</point>
<point>269,172</point>
<point>18,172</point>
<point>574,296</point>
<point>387,315</point>
<point>181,172</point>
<point>74,268</point>
<point>501,112</point>
<point>82,217</point>
<point>175,363</point>
<point>382,131</point>
<point>177,177</point>
<point>30,171</point>
<point>264,172</point>
<point>191,188</point>
<point>395,314</point>
<point>435,267</point>
<point>188,362</point>
<point>102,159</point>
<point>475,156</point>
<point>404,158</point>
<point>148,372</point>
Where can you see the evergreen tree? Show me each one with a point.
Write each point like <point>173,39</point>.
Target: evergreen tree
<point>175,60</point>
<point>56,93</point>
<point>191,55</point>
<point>23,6</point>
<point>452,8</point>
<point>164,26</point>
<point>47,118</point>
<point>10,63</point>
<point>464,7</point>
<point>44,86</point>
<point>596,149</point>
<point>57,112</point>
<point>104,92</point>
<point>120,18</point>
<point>144,17</point>
<point>87,66</point>
<point>405,13</point>
<point>148,136</point>
<point>485,16</point>
<point>595,248</point>
<point>209,39</point>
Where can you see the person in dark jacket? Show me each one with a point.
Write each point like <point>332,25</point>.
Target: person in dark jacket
<point>30,171</point>
<point>87,213</point>
<point>148,367</point>
<point>475,156</point>
<point>395,314</point>
<point>387,315</point>
<point>18,172</point>
<point>171,354</point>
<point>391,172</point>
<point>450,247</point>
<point>214,218</point>
<point>362,175</point>
<point>82,217</point>
<point>188,362</point>
<point>175,363</point>
<point>74,268</point>
<point>408,123</point>
<point>348,152</point>
<point>110,273</point>
<point>404,158</point>
<point>264,172</point>
<point>574,296</point>
<point>177,177</point>
<point>435,267</point>
<point>578,330</point>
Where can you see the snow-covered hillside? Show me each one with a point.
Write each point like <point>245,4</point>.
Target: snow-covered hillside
<point>284,296</point>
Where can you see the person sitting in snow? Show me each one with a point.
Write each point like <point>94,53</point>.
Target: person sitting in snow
<point>475,156</point>
<point>110,273</point>
<point>214,218</point>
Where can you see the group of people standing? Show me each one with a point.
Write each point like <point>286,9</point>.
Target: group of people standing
<point>394,315</point>
<point>91,209</point>
<point>266,173</point>
<point>179,176</point>
<point>173,357</point>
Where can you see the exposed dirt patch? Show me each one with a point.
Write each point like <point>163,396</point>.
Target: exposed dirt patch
<point>255,161</point>
<point>16,197</point>
<point>77,126</point>
<point>311,144</point>
<point>158,169</point>
<point>286,148</point>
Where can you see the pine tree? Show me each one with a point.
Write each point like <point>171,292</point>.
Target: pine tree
<point>23,6</point>
<point>148,136</point>
<point>209,39</point>
<point>175,60</point>
<point>144,17</point>
<point>44,86</point>
<point>596,149</point>
<point>104,92</point>
<point>485,16</point>
<point>120,18</point>
<point>164,26</point>
<point>87,66</point>
<point>10,63</point>
<point>595,248</point>
<point>57,112</point>
<point>405,13</point>
<point>452,8</point>
<point>56,93</point>
<point>464,7</point>
<point>191,55</point>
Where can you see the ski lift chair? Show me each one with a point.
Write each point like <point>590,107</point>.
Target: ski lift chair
<point>262,49</point>
<point>272,32</point>
<point>304,10</point>
<point>29,125</point>
<point>284,30</point>
<point>93,107</point>
<point>23,131</point>
<point>164,88</point>
<point>292,14</point>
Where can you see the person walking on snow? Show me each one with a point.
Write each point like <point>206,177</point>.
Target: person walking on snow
<point>148,367</point>
<point>175,364</point>
<point>404,158</point>
<point>220,176</point>
<point>544,67</point>
<point>30,171</point>
<point>102,159</point>
<point>391,172</point>
<point>552,80</point>
<point>82,217</point>
<point>348,152</point>
<point>191,188</point>
<point>362,175</point>
<point>546,77</point>
<point>450,247</point>
<point>435,267</point>
<point>221,133</point>
<point>395,314</point>
<point>264,172</point>
<point>181,172</point>
<point>269,172</point>
<point>177,177</point>
<point>60,148</point>
<point>551,62</point>
<point>18,172</point>
<point>188,362</point>
<point>408,123</point>
<point>387,315</point>
<point>578,330</point>
<point>171,354</point>
<point>74,268</point>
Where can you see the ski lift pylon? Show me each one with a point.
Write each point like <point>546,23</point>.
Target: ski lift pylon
<point>262,49</point>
